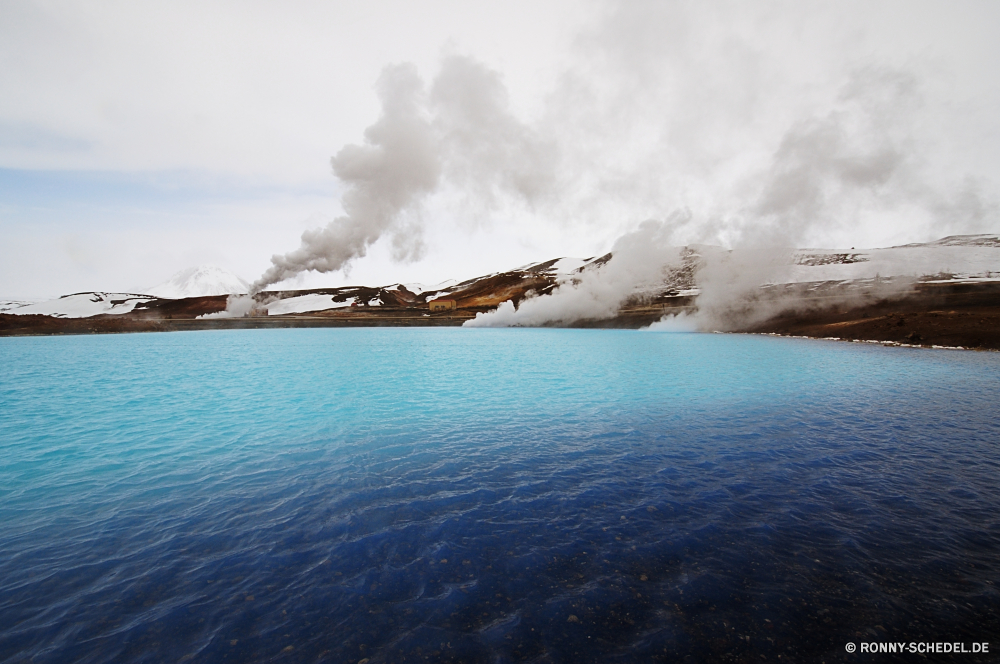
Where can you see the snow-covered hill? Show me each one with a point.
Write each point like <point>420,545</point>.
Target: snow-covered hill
<point>83,305</point>
<point>951,259</point>
<point>194,282</point>
<point>200,281</point>
<point>954,258</point>
<point>8,305</point>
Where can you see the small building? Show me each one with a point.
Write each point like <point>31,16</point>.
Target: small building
<point>443,305</point>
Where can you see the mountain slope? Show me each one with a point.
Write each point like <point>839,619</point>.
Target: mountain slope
<point>822,274</point>
<point>83,305</point>
<point>199,282</point>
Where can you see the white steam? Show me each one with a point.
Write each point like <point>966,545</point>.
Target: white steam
<point>640,259</point>
<point>237,306</point>
<point>681,112</point>
<point>836,169</point>
<point>682,322</point>
<point>462,132</point>
<point>399,164</point>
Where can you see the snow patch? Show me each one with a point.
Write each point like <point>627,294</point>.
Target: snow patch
<point>559,266</point>
<point>84,305</point>
<point>8,306</point>
<point>303,304</point>
<point>568,265</point>
<point>960,261</point>
<point>446,285</point>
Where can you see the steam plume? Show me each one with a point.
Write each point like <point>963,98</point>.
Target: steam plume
<point>639,258</point>
<point>462,132</point>
<point>397,167</point>
<point>829,170</point>
<point>672,112</point>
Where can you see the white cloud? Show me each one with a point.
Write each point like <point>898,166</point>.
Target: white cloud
<point>256,88</point>
<point>656,106</point>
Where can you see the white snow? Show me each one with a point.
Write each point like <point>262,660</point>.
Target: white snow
<point>84,305</point>
<point>199,282</point>
<point>562,266</point>
<point>568,265</point>
<point>8,306</point>
<point>954,259</point>
<point>423,288</point>
<point>928,260</point>
<point>303,304</point>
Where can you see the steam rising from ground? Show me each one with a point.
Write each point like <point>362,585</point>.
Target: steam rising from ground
<point>682,322</point>
<point>398,165</point>
<point>461,132</point>
<point>669,114</point>
<point>835,169</point>
<point>237,306</point>
<point>639,258</point>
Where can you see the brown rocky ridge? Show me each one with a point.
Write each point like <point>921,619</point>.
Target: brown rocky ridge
<point>951,311</point>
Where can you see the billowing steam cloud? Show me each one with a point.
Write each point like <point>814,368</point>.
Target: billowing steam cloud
<point>825,171</point>
<point>462,132</point>
<point>669,112</point>
<point>640,258</point>
<point>831,170</point>
<point>398,166</point>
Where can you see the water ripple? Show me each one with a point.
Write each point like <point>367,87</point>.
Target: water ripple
<point>518,495</point>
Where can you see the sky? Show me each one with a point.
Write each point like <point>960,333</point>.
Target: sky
<point>425,141</point>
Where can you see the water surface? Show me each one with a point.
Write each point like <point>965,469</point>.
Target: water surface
<point>492,495</point>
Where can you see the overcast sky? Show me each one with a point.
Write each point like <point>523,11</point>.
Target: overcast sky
<point>139,138</point>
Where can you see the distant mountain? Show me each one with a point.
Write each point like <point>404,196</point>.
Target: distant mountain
<point>199,282</point>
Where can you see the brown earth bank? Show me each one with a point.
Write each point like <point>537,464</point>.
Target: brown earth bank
<point>927,314</point>
<point>963,315</point>
<point>11,325</point>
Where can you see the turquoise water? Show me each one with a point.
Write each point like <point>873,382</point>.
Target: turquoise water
<point>492,495</point>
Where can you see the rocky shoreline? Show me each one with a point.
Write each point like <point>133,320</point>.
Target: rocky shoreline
<point>954,315</point>
<point>961,315</point>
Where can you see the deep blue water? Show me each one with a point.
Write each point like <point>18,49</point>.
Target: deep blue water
<point>492,496</point>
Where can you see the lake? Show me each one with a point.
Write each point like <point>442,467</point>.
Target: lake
<point>405,495</point>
